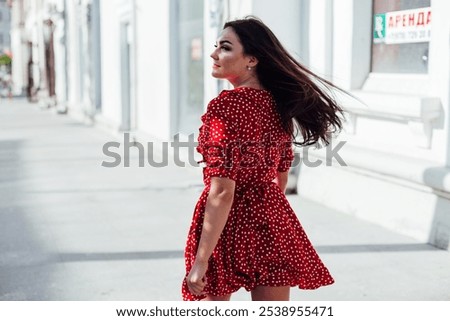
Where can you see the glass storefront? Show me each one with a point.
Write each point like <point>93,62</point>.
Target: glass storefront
<point>401,34</point>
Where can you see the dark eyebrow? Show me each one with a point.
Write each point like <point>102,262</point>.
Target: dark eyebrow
<point>224,41</point>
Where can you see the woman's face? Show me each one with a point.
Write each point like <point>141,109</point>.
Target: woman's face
<point>229,61</point>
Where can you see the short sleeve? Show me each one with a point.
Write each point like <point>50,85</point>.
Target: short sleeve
<point>220,152</point>
<point>286,156</point>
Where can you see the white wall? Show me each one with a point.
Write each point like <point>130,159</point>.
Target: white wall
<point>73,57</point>
<point>284,19</point>
<point>320,37</point>
<point>19,50</point>
<point>60,56</point>
<point>153,68</point>
<point>151,75</point>
<point>111,98</point>
<point>351,42</point>
<point>439,66</point>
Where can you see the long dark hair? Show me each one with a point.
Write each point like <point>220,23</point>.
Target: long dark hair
<point>300,101</point>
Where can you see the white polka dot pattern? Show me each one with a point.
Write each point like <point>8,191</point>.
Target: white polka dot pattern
<point>263,242</point>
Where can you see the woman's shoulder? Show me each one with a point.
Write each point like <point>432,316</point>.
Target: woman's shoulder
<point>240,97</point>
<point>244,92</point>
<point>232,95</point>
<point>228,101</point>
<point>239,104</point>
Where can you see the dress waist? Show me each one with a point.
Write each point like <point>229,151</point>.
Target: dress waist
<point>243,186</point>
<point>252,185</point>
<point>251,189</point>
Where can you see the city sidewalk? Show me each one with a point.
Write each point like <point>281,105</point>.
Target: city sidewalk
<point>71,229</point>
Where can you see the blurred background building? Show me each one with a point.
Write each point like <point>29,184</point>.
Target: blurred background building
<point>143,67</point>
<point>5,49</point>
<point>4,27</point>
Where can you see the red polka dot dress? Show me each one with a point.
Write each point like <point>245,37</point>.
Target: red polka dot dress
<point>263,242</point>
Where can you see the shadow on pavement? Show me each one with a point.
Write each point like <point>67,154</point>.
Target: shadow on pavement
<point>120,256</point>
<point>361,248</point>
<point>20,247</point>
<point>178,254</point>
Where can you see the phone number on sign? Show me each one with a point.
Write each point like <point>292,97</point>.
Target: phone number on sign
<point>299,311</point>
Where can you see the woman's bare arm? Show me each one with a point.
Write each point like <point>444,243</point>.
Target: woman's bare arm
<point>281,180</point>
<point>218,206</point>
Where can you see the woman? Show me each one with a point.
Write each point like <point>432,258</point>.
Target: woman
<point>244,232</point>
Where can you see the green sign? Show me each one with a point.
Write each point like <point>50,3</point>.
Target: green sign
<point>379,27</point>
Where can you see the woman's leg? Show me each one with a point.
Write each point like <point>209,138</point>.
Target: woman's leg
<point>271,293</point>
<point>217,298</point>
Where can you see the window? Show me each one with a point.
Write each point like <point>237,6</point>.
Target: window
<point>401,33</point>
<point>190,62</point>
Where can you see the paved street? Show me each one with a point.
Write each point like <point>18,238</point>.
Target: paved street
<point>71,229</point>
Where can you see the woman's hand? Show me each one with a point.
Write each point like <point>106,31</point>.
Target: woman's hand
<point>196,280</point>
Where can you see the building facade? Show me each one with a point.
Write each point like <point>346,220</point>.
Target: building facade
<point>394,57</point>
<point>143,67</point>
<point>5,23</point>
<point>5,50</point>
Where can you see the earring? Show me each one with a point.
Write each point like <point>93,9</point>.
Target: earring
<point>249,68</point>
